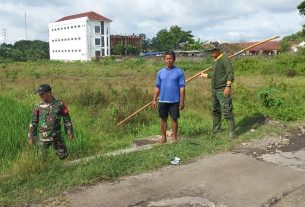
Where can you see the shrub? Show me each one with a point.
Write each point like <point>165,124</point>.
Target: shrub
<point>268,98</point>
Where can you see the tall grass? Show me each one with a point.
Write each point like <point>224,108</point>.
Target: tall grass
<point>13,128</point>
<point>100,94</point>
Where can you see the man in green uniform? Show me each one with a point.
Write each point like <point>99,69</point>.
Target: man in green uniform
<point>222,77</point>
<point>46,123</point>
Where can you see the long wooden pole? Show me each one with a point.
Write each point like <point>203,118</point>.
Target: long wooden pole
<point>198,74</point>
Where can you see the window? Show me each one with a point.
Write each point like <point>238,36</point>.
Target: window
<point>97,29</point>
<point>97,41</point>
<point>103,52</point>
<point>103,42</point>
<point>102,28</point>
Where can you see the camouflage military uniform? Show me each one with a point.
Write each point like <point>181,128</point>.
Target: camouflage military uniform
<point>46,126</point>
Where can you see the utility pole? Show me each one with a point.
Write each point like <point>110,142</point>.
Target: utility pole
<point>4,35</point>
<point>25,27</point>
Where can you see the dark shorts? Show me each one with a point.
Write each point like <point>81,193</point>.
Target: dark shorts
<point>169,108</point>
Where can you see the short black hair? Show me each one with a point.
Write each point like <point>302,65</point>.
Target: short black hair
<point>172,53</point>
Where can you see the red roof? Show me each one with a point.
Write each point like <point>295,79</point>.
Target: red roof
<point>267,46</point>
<point>91,15</point>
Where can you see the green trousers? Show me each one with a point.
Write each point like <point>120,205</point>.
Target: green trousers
<point>222,105</point>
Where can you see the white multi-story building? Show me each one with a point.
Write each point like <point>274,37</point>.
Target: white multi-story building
<point>79,37</point>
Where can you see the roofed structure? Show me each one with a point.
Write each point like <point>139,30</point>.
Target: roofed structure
<point>268,48</point>
<point>91,15</point>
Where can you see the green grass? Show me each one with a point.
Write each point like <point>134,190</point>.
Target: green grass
<point>101,94</point>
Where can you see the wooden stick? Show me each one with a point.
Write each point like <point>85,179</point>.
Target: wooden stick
<point>205,70</point>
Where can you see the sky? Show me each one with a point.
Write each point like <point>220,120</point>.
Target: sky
<point>217,20</point>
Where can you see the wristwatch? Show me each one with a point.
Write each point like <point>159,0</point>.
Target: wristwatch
<point>228,85</point>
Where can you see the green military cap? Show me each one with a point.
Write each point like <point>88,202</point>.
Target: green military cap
<point>214,46</point>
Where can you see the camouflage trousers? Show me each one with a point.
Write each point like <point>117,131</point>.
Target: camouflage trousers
<point>222,104</point>
<point>59,146</point>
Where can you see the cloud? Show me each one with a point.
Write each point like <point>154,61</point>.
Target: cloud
<point>219,19</point>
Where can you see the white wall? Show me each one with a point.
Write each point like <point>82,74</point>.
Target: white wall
<point>75,39</point>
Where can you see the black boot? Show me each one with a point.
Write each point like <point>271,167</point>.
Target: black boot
<point>231,126</point>
<point>216,124</point>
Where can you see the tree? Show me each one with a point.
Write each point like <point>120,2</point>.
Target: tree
<point>172,39</point>
<point>194,45</point>
<point>122,49</point>
<point>33,50</point>
<point>145,43</point>
<point>301,8</point>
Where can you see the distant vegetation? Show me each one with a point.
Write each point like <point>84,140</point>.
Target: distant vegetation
<point>24,50</point>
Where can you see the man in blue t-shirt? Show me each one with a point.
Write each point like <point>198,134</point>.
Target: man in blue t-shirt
<point>170,84</point>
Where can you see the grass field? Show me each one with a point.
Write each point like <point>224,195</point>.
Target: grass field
<point>99,94</point>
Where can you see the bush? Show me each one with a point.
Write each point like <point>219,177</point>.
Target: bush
<point>268,97</point>
<point>89,96</point>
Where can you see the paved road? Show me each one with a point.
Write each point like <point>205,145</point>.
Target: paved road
<point>223,180</point>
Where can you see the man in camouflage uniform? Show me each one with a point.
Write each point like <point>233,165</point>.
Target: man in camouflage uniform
<point>46,123</point>
<point>222,77</point>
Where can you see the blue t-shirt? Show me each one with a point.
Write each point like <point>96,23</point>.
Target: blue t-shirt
<point>169,81</point>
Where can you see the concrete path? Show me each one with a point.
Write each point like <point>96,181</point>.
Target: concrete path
<point>220,180</point>
<point>267,172</point>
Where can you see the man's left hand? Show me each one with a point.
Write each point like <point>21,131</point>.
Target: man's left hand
<point>70,137</point>
<point>181,105</point>
<point>227,91</point>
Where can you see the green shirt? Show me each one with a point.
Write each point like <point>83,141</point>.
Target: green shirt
<point>222,72</point>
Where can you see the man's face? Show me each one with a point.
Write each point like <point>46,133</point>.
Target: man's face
<point>215,53</point>
<point>169,61</point>
<point>45,96</point>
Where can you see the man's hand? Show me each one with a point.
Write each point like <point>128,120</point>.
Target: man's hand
<point>181,105</point>
<point>227,91</point>
<point>31,141</point>
<point>70,137</point>
<point>204,75</point>
<point>154,104</point>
